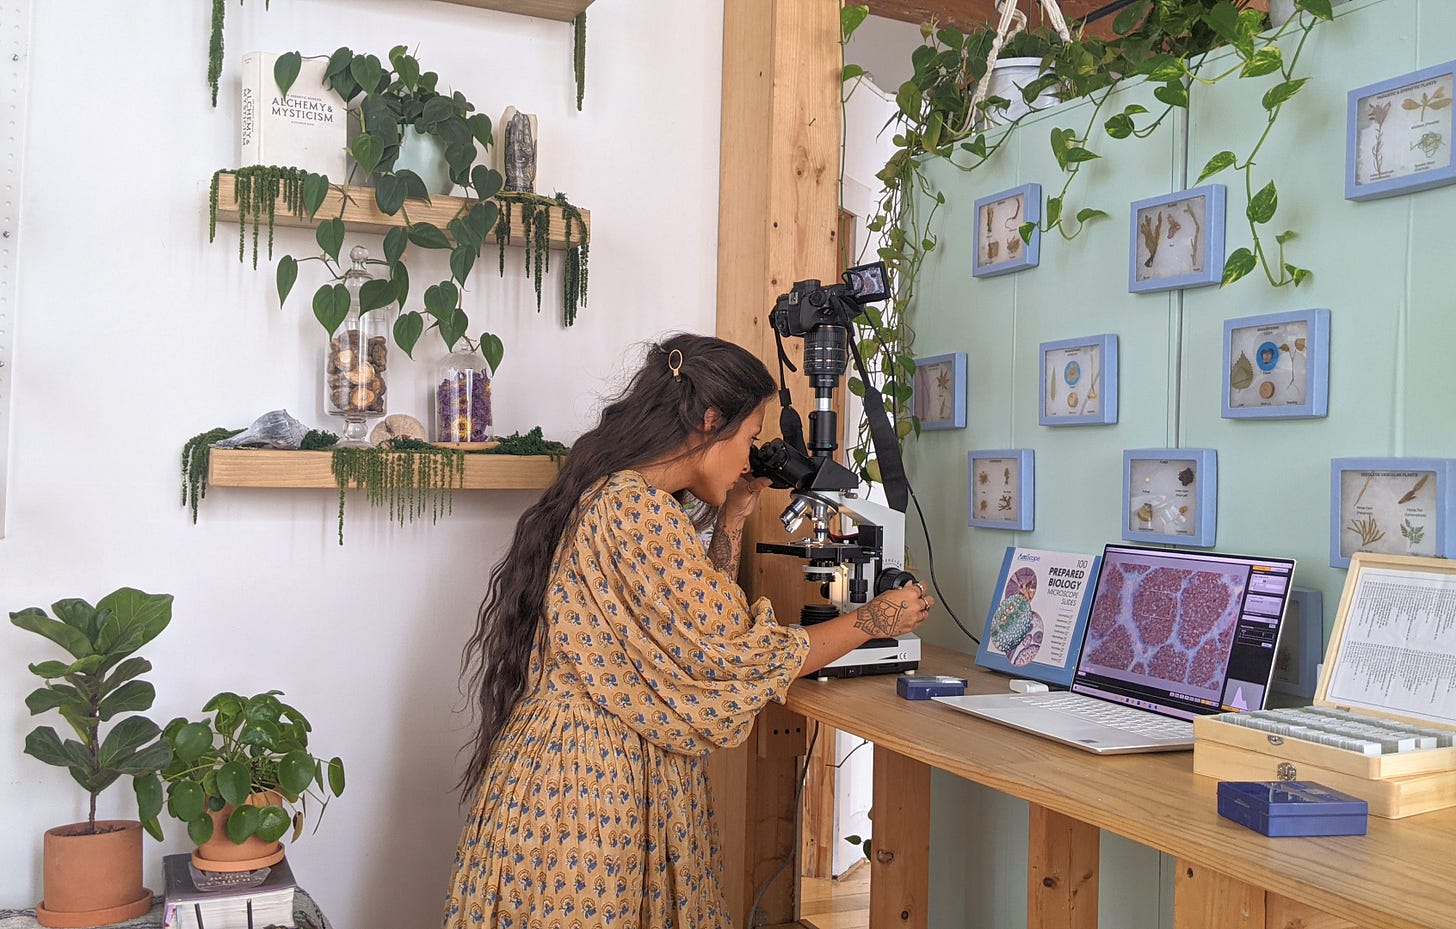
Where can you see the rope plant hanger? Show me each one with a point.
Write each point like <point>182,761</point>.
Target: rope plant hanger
<point>1011,22</point>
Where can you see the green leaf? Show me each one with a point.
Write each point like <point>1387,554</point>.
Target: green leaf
<point>427,235</point>
<point>1300,275</point>
<point>233,783</point>
<point>1264,204</point>
<point>200,829</point>
<point>72,640</point>
<point>187,800</point>
<point>441,300</point>
<point>851,72</point>
<point>287,275</point>
<point>1224,19</point>
<point>331,306</point>
<point>1318,8</point>
<point>481,219</point>
<point>1078,155</point>
<point>79,615</point>
<point>54,696</point>
<point>131,697</point>
<point>389,193</point>
<point>1129,18</point>
<point>453,327</point>
<point>1161,69</point>
<point>152,758</point>
<point>408,68</point>
<point>1282,91</point>
<point>1284,236</point>
<point>1087,213</point>
<point>375,294</point>
<point>399,276</point>
<point>285,71</point>
<point>1216,164</point>
<point>366,71</point>
<point>486,181</point>
<point>242,823</point>
<point>1173,94</point>
<point>1119,126</point>
<point>480,129</point>
<point>126,737</point>
<point>462,259</point>
<point>1053,211</point>
<point>336,775</point>
<point>407,330</point>
<point>148,790</point>
<point>295,772</point>
<point>315,189</point>
<point>1239,263</point>
<point>1025,230</point>
<point>394,244</point>
<point>134,609</point>
<point>273,821</point>
<point>850,18</point>
<point>367,149</point>
<point>1266,60</point>
<point>493,349</point>
<point>192,741</point>
<point>128,669</point>
<point>44,745</point>
<point>330,237</point>
<point>50,669</point>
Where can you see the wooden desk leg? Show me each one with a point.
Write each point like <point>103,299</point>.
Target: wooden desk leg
<point>1205,899</point>
<point>900,863</point>
<point>1062,872</point>
<point>1284,913</point>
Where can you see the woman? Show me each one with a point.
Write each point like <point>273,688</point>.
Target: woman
<point>612,652</point>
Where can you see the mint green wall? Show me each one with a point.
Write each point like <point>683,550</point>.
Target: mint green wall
<point>1383,269</point>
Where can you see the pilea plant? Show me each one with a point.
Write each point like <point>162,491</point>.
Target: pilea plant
<point>1162,42</point>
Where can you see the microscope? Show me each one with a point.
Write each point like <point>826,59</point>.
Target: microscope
<point>855,549</point>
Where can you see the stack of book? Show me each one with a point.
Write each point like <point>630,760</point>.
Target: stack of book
<point>226,900</point>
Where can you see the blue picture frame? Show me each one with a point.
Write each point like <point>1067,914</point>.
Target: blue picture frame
<point>1068,364</point>
<point>1301,645</point>
<point>1170,495</point>
<point>1198,228</point>
<point>1001,488</point>
<point>1029,652</point>
<point>1392,506</point>
<point>1002,239</point>
<point>1265,347</point>
<point>951,396</point>
<point>1385,119</point>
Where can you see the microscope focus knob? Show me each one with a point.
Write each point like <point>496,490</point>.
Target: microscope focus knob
<point>893,579</point>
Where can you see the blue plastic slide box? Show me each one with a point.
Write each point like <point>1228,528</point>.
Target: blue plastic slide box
<point>1283,808</point>
<point>925,686</point>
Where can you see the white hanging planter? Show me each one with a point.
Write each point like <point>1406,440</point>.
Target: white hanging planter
<point>1007,79</point>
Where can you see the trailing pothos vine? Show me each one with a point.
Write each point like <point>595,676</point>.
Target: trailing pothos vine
<point>1163,42</point>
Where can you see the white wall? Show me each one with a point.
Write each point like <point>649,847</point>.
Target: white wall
<point>133,334</point>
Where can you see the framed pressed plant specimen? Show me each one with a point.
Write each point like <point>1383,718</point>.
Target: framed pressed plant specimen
<point>1177,240</point>
<point>1394,506</point>
<point>1301,644</point>
<point>940,391</point>
<point>1002,488</point>
<point>1277,366</point>
<point>1398,134</point>
<point>1170,495</point>
<point>1079,381</point>
<point>999,219</point>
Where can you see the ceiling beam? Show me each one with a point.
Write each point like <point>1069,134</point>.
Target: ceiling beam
<point>966,15</point>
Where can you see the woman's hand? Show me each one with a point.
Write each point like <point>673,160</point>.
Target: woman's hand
<point>894,612</point>
<point>742,499</point>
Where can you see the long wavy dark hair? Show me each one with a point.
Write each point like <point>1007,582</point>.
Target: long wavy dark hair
<point>650,422</point>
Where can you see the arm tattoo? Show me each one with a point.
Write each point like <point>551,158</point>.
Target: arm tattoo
<point>879,620</point>
<point>725,549</point>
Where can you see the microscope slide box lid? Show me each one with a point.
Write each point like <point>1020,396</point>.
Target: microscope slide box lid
<point>1288,808</point>
<point>925,686</point>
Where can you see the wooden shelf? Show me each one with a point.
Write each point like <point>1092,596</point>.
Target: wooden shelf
<point>563,10</point>
<point>248,467</point>
<point>361,214</point>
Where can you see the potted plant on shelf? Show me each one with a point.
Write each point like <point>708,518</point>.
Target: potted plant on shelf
<point>92,870</point>
<point>240,779</point>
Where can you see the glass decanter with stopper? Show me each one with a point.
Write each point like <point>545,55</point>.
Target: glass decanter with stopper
<point>356,360</point>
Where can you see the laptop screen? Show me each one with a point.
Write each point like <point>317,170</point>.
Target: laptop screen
<point>1183,633</point>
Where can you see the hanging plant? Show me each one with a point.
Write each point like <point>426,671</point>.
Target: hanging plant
<point>578,55</point>
<point>257,189</point>
<point>406,475</point>
<point>535,213</point>
<point>214,44</point>
<point>196,455</point>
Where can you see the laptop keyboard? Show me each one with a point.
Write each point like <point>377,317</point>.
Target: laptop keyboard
<point>1114,715</point>
<point>1365,735</point>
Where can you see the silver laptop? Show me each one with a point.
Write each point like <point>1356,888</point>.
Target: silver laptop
<point>1172,635</point>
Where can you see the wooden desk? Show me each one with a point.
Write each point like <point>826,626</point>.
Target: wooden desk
<point>1402,875</point>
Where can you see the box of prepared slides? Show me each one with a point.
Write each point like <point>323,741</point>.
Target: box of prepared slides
<point>1383,724</point>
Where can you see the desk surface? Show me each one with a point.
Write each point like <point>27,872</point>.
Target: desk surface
<point>1398,876</point>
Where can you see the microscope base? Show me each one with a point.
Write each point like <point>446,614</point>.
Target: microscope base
<point>903,655</point>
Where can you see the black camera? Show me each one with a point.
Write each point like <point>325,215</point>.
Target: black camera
<point>808,304</point>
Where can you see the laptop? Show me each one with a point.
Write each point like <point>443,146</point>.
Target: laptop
<point>1172,635</point>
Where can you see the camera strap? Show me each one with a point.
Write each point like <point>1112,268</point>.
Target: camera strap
<point>790,425</point>
<point>882,435</point>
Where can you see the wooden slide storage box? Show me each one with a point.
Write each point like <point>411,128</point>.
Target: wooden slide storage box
<point>1410,603</point>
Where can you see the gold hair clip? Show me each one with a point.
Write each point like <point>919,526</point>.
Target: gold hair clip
<point>675,363</point>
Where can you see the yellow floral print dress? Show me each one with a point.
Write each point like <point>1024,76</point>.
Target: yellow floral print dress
<point>593,811</point>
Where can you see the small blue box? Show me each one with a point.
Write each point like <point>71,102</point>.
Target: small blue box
<point>1284,808</point>
<point>925,686</point>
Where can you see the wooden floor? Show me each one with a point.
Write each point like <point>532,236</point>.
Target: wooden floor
<point>841,904</point>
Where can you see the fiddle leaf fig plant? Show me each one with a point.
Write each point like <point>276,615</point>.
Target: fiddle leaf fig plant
<point>251,754</point>
<point>101,682</point>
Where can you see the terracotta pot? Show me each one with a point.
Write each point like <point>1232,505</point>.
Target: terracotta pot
<point>92,880</point>
<point>221,853</point>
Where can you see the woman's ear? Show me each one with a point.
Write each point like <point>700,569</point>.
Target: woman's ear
<point>712,420</point>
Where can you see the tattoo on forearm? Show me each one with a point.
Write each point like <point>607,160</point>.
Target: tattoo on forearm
<point>879,620</point>
<point>725,549</point>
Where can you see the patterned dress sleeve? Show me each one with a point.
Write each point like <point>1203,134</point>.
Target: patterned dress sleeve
<point>658,635</point>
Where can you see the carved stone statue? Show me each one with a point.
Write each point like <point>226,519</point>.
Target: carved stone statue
<point>518,152</point>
